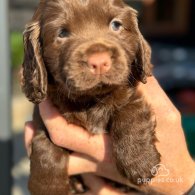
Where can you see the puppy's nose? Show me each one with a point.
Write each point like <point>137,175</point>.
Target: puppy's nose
<point>99,63</point>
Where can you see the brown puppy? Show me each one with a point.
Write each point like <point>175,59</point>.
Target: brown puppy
<point>87,57</point>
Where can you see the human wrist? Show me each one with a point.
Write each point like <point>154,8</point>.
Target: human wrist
<point>189,181</point>
<point>178,182</point>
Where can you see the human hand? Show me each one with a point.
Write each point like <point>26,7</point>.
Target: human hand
<point>93,154</point>
<point>95,184</point>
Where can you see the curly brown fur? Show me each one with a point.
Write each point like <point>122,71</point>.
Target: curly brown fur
<point>58,42</point>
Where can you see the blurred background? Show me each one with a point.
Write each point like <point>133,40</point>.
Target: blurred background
<point>168,25</point>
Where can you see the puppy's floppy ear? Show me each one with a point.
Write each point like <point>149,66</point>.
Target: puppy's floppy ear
<point>142,67</point>
<point>34,74</point>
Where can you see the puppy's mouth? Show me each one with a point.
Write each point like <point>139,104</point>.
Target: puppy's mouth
<point>99,66</point>
<point>86,81</point>
<point>89,89</point>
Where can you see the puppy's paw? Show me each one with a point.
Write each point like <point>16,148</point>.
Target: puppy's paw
<point>50,186</point>
<point>48,168</point>
<point>139,169</point>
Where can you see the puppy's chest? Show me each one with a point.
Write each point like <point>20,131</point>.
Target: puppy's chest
<point>94,115</point>
<point>94,118</point>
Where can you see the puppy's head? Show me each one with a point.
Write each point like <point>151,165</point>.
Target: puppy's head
<point>83,46</point>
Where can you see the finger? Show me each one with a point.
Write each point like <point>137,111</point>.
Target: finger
<point>93,182</point>
<point>29,132</point>
<point>98,186</point>
<point>64,134</point>
<point>80,163</point>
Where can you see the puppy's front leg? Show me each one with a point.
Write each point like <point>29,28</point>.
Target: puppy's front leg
<point>133,137</point>
<point>48,167</point>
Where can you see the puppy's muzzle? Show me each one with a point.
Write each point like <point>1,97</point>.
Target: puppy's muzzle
<point>99,58</point>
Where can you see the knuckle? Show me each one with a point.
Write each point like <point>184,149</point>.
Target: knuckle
<point>174,116</point>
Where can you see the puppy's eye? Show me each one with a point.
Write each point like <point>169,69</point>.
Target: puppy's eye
<point>63,33</point>
<point>116,25</point>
